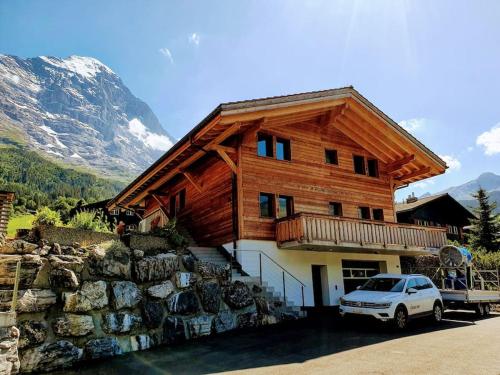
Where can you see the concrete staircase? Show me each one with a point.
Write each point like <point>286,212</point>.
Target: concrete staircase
<point>220,257</point>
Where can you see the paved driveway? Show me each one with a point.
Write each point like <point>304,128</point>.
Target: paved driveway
<point>459,345</point>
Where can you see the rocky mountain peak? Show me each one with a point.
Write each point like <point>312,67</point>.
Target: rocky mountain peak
<point>79,111</point>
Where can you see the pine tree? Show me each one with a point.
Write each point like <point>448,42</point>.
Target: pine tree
<point>485,228</point>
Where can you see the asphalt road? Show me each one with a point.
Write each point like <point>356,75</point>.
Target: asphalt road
<point>321,345</point>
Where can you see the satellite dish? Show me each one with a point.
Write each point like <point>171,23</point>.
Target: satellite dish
<point>453,256</point>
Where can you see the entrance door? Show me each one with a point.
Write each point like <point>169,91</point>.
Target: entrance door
<point>320,285</point>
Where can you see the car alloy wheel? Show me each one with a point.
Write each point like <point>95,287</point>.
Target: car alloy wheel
<point>401,319</point>
<point>480,309</point>
<point>438,313</point>
<point>486,309</point>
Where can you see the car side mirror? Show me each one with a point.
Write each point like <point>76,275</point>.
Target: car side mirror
<point>358,287</point>
<point>411,291</point>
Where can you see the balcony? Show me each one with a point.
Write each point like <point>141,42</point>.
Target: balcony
<point>316,232</point>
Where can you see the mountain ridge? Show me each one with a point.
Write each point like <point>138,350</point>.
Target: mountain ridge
<point>78,111</point>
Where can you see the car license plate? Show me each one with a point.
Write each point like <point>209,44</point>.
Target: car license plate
<point>357,311</point>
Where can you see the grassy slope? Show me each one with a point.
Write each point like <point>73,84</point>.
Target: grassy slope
<point>19,222</point>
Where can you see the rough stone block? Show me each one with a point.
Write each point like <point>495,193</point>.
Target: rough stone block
<point>49,357</point>
<point>210,295</point>
<point>162,290</point>
<point>73,325</point>
<point>156,268</point>
<point>32,333</point>
<point>35,300</point>
<point>92,296</point>
<point>247,320</point>
<point>120,322</point>
<point>237,295</point>
<point>225,321</point>
<point>199,326</point>
<point>63,278</point>
<point>183,303</point>
<point>140,342</point>
<point>102,348</point>
<point>153,314</point>
<point>212,271</point>
<point>184,279</point>
<point>173,330</point>
<point>125,294</point>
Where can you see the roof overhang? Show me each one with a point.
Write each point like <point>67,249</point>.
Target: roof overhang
<point>405,157</point>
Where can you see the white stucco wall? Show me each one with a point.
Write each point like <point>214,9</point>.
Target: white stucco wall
<point>298,263</point>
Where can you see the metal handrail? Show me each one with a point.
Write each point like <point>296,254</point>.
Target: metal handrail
<point>6,259</point>
<point>283,270</point>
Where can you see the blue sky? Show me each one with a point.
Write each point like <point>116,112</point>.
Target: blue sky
<point>432,65</point>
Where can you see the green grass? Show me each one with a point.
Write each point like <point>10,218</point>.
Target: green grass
<point>19,222</point>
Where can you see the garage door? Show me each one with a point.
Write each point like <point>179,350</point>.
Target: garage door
<point>357,272</point>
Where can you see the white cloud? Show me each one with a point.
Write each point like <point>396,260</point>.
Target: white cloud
<point>166,52</point>
<point>452,162</point>
<point>470,148</point>
<point>151,140</point>
<point>423,184</point>
<point>490,140</point>
<point>194,38</point>
<point>413,125</point>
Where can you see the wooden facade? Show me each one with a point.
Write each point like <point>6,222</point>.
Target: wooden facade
<point>6,199</point>
<point>212,180</point>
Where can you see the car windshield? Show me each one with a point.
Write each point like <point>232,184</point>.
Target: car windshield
<point>384,284</point>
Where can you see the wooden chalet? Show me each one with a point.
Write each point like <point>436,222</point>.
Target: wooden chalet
<point>440,210</point>
<point>306,179</point>
<point>6,199</point>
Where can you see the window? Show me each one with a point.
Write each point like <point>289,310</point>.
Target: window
<point>115,212</point>
<point>131,227</point>
<point>359,164</point>
<point>283,151</point>
<point>285,206</point>
<point>373,167</point>
<point>182,199</point>
<point>335,209</point>
<point>129,213</point>
<point>378,214</point>
<point>364,213</point>
<point>173,206</point>
<point>266,202</point>
<point>331,157</point>
<point>412,283</point>
<point>423,283</point>
<point>265,145</point>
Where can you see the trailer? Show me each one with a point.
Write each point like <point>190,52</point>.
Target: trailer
<point>462,285</point>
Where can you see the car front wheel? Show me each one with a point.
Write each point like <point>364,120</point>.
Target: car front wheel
<point>437,312</point>
<point>400,318</point>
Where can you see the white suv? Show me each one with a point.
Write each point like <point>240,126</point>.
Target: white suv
<point>395,298</point>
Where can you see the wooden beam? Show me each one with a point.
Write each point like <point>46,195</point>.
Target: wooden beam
<point>227,159</point>
<point>396,165</point>
<point>160,204</point>
<point>413,174</point>
<point>190,178</point>
<point>227,149</point>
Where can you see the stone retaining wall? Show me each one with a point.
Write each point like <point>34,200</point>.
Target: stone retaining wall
<point>68,236</point>
<point>81,304</point>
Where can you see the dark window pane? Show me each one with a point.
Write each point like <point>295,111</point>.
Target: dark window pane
<point>373,167</point>
<point>173,206</point>
<point>265,145</point>
<point>335,209</point>
<point>283,149</point>
<point>359,164</point>
<point>331,157</point>
<point>378,214</point>
<point>364,213</point>
<point>285,206</point>
<point>266,205</point>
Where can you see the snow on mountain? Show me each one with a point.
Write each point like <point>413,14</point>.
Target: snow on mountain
<point>77,109</point>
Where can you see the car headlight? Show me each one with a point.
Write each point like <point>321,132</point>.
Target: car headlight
<point>384,305</point>
<point>342,300</point>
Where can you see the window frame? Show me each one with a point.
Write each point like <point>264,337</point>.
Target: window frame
<point>266,137</point>
<point>363,164</point>
<point>272,205</point>
<point>336,156</point>
<point>129,213</point>
<point>287,148</point>
<point>114,212</point>
<point>289,206</point>
<point>360,210</point>
<point>376,170</point>
<point>332,204</point>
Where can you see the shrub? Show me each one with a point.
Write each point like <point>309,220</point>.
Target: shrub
<point>172,234</point>
<point>46,216</point>
<point>90,220</point>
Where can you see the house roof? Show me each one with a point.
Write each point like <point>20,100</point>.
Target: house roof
<point>344,107</point>
<point>405,207</point>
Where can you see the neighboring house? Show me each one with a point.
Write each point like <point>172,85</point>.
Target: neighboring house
<point>436,211</point>
<point>128,216</point>
<point>6,199</point>
<point>307,180</point>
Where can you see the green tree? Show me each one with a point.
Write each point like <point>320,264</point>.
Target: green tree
<point>485,228</point>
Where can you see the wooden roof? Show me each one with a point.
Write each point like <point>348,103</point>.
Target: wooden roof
<point>405,157</point>
<point>421,202</point>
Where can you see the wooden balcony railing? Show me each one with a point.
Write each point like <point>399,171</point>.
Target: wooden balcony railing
<point>322,232</point>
